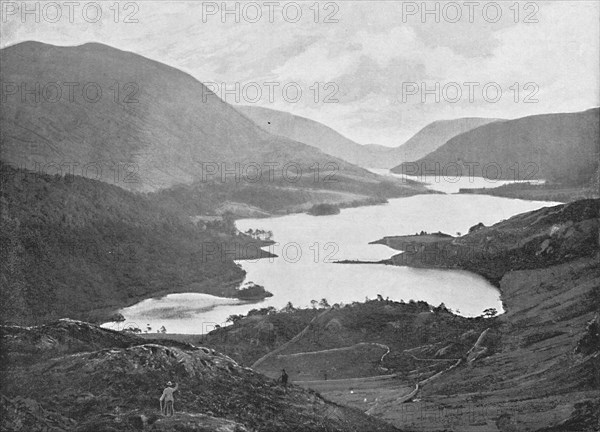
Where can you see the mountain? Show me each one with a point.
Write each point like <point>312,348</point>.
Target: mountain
<point>80,377</point>
<point>436,134</point>
<point>559,148</point>
<point>370,155</point>
<point>121,118</point>
<point>318,135</point>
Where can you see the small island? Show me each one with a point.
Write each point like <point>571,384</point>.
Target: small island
<point>253,292</point>
<point>324,209</point>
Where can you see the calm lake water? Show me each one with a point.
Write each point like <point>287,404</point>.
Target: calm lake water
<point>308,246</point>
<point>452,185</point>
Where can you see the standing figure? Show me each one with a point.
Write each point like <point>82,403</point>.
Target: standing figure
<point>284,377</point>
<point>167,398</point>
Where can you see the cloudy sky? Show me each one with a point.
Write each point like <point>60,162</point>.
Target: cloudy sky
<point>362,67</point>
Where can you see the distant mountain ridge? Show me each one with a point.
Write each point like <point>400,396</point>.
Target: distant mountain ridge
<point>318,135</point>
<point>330,141</point>
<point>561,148</point>
<point>436,134</point>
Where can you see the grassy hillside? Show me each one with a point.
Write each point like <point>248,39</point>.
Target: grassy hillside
<point>73,246</point>
<point>348,341</point>
<point>559,148</point>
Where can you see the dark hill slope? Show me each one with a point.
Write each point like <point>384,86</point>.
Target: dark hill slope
<point>560,148</point>
<point>117,388</point>
<point>72,245</point>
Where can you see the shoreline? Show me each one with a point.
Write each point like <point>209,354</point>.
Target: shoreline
<point>215,287</point>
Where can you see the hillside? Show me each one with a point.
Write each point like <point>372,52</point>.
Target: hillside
<point>331,142</point>
<point>365,355</point>
<point>75,247</point>
<point>559,148</point>
<point>537,239</point>
<point>84,378</point>
<point>435,135</point>
<point>146,126</point>
<point>539,192</point>
<point>318,135</point>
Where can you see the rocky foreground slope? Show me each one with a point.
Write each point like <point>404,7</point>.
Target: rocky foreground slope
<point>71,375</point>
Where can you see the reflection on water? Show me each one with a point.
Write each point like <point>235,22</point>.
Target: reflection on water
<point>308,246</point>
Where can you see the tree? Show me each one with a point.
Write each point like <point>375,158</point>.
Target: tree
<point>314,303</point>
<point>490,312</point>
<point>289,307</point>
<point>441,308</point>
<point>324,303</point>
<point>163,329</point>
<point>234,318</point>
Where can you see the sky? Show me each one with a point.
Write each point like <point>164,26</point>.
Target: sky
<point>375,71</point>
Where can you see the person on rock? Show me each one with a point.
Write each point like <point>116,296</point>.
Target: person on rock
<point>284,377</point>
<point>167,400</point>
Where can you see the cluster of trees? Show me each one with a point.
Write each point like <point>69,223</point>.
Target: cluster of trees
<point>253,291</point>
<point>260,234</point>
<point>323,303</point>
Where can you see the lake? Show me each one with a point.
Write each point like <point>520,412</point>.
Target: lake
<point>309,246</point>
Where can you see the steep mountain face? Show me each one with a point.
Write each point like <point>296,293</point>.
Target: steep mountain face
<point>559,148</point>
<point>369,156</point>
<point>119,117</point>
<point>112,382</point>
